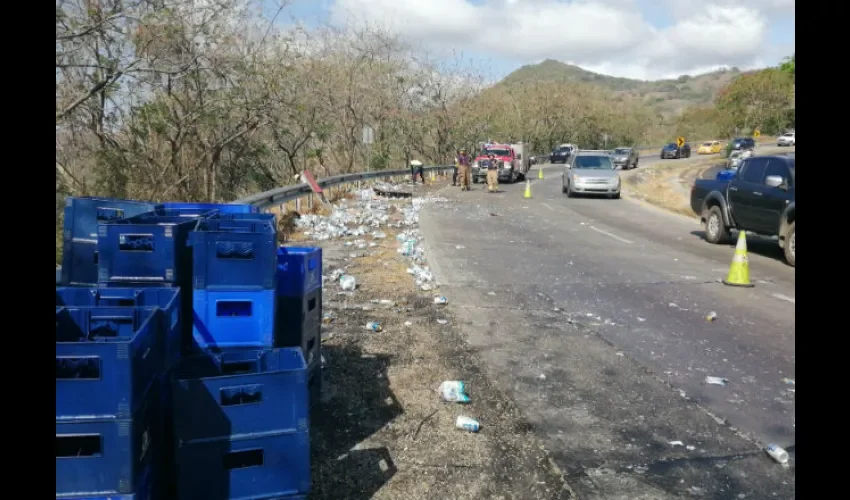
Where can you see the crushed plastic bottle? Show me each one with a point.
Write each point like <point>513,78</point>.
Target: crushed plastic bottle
<point>347,282</point>
<point>777,453</point>
<point>374,326</point>
<point>467,424</point>
<point>440,300</point>
<point>711,316</point>
<point>453,391</point>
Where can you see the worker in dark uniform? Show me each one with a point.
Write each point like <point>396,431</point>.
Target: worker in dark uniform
<point>454,170</point>
<point>417,169</point>
<point>464,169</point>
<point>492,173</point>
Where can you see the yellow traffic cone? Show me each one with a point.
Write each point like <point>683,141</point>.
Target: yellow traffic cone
<point>739,271</point>
<point>527,190</point>
<point>539,173</point>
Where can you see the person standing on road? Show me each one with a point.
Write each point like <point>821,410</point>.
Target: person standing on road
<point>416,168</point>
<point>463,169</point>
<point>492,173</point>
<point>454,171</point>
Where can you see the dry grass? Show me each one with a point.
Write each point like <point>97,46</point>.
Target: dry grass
<point>667,185</point>
<point>381,430</point>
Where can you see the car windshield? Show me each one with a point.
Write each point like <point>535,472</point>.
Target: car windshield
<point>706,144</point>
<point>563,149</point>
<point>788,135</point>
<point>593,162</point>
<point>498,152</point>
<point>671,145</point>
<point>621,151</point>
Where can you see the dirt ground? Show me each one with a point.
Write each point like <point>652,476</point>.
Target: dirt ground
<point>381,430</point>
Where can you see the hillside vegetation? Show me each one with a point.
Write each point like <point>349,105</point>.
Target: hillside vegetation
<point>208,102</point>
<point>665,97</point>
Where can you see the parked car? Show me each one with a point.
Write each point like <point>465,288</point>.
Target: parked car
<point>672,150</point>
<point>561,153</point>
<point>760,198</point>
<point>590,172</point>
<point>786,139</point>
<point>709,148</point>
<point>625,158</point>
<point>743,143</point>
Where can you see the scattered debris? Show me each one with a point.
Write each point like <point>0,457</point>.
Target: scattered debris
<point>374,326</point>
<point>716,381</point>
<point>641,319</point>
<point>459,247</point>
<point>690,447</point>
<point>408,323</point>
<point>347,283</point>
<point>467,424</point>
<point>440,300</point>
<point>453,391</point>
<point>711,316</point>
<point>777,453</point>
<point>676,443</point>
<point>788,381</point>
<point>442,321</point>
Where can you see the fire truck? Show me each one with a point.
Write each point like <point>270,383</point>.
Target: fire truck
<point>512,161</point>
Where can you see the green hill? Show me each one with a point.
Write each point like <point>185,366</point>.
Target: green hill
<point>668,97</point>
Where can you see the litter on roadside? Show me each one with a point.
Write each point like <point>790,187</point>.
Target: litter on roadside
<point>789,381</point>
<point>453,391</point>
<point>676,443</point>
<point>347,282</point>
<point>716,381</point>
<point>440,300</point>
<point>711,316</point>
<point>442,321</point>
<point>374,326</point>
<point>777,453</point>
<point>467,424</point>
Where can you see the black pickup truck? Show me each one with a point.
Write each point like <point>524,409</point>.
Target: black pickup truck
<point>759,199</point>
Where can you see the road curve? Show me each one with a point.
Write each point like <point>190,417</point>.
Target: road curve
<point>593,312</point>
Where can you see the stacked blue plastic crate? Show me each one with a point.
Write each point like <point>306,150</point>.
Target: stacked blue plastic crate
<point>110,349</point>
<point>241,413</point>
<point>299,308</point>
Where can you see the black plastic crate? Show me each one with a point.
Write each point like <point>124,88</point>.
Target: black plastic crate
<point>298,322</point>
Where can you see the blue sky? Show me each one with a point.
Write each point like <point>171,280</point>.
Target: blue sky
<point>645,39</point>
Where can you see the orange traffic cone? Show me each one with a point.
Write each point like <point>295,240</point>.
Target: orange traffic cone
<point>739,271</point>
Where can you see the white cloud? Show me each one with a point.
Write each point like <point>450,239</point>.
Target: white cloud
<point>610,36</point>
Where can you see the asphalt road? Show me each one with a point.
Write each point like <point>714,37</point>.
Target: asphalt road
<point>592,311</point>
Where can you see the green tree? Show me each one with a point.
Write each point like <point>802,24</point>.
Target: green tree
<point>757,100</point>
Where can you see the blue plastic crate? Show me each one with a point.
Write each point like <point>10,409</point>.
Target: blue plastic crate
<point>108,458</point>
<point>233,255</point>
<point>224,208</point>
<point>79,263</point>
<point>107,360</point>
<point>260,217</point>
<point>299,270</point>
<point>240,392</point>
<point>232,319</point>
<point>298,323</point>
<point>168,299</point>
<point>250,467</point>
<point>146,248</point>
<point>83,214</point>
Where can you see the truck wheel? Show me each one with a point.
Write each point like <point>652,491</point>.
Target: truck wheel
<point>715,231</point>
<point>790,249</point>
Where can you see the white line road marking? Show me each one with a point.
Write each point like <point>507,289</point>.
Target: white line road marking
<point>784,297</point>
<point>547,206</point>
<point>606,233</point>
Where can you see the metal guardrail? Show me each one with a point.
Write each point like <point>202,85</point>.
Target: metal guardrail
<point>284,194</point>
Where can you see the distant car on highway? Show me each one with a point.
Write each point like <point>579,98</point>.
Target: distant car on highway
<point>672,150</point>
<point>709,148</point>
<point>561,154</point>
<point>590,172</point>
<point>735,158</point>
<point>625,158</point>
<point>739,143</point>
<point>760,198</point>
<point>786,139</point>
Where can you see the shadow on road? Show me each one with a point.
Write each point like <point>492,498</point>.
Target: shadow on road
<point>756,244</point>
<point>356,403</point>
